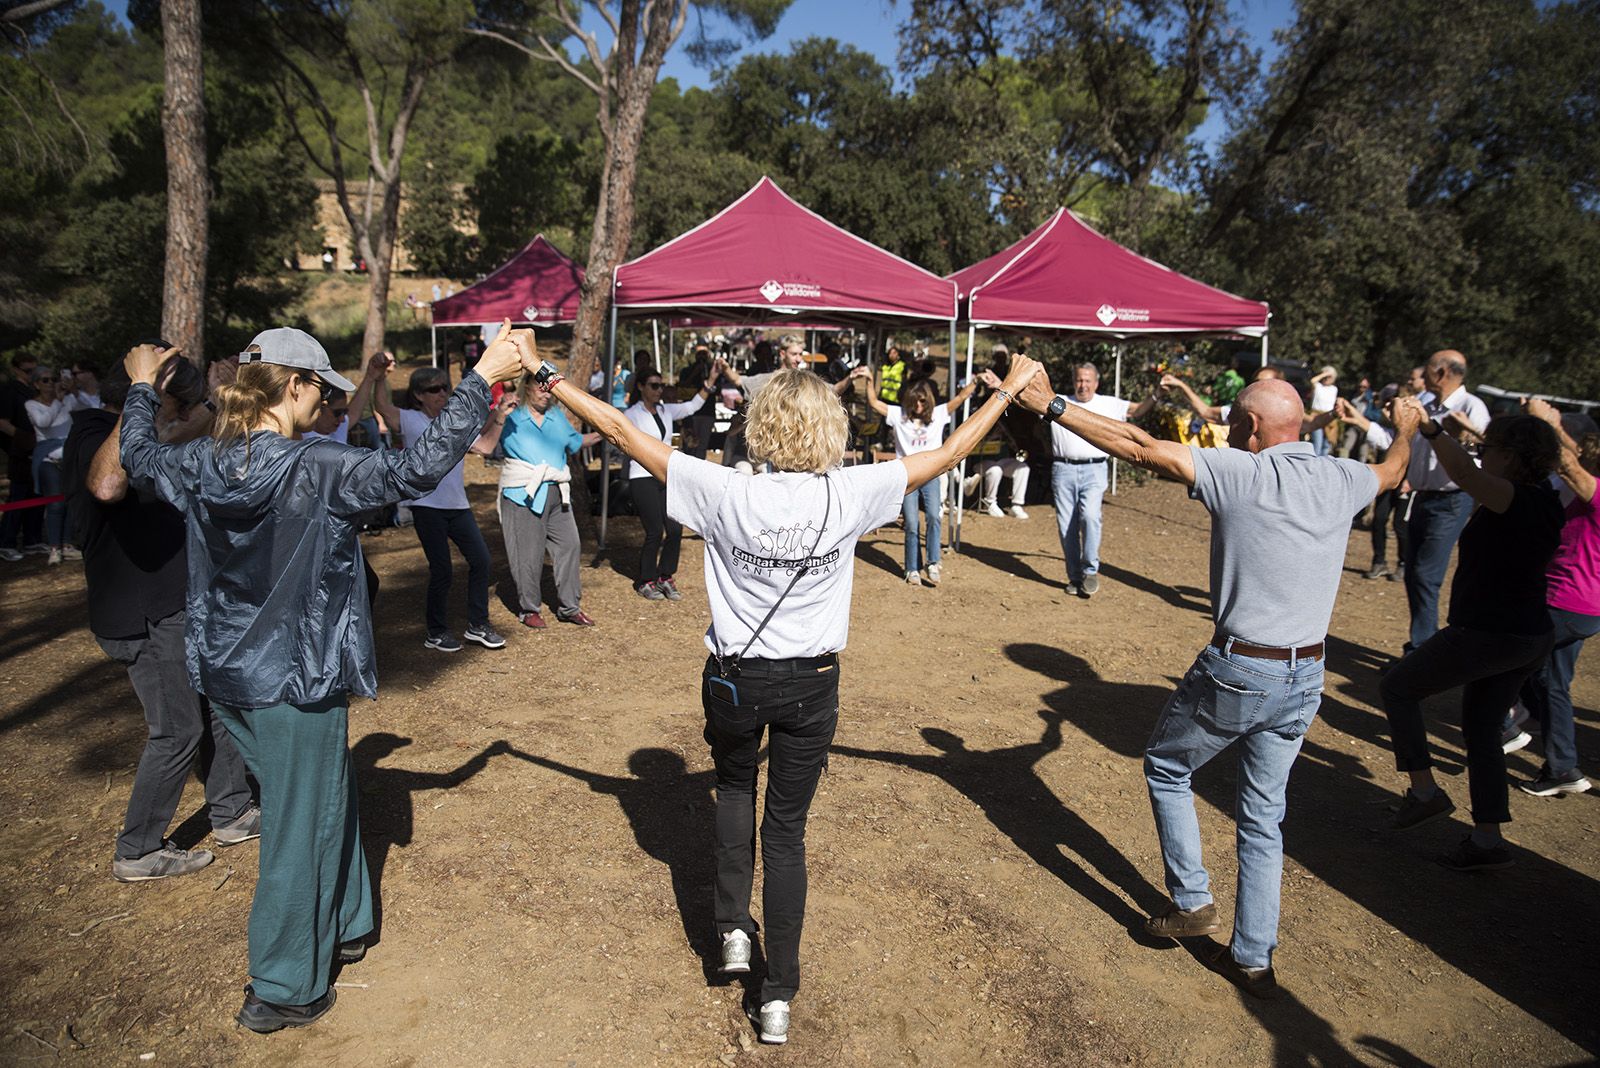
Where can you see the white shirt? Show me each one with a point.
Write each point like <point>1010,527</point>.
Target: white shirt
<point>911,437</point>
<point>640,416</point>
<point>451,492</point>
<point>87,399</point>
<point>1323,396</point>
<point>1065,445</point>
<point>1425,472</point>
<point>340,433</point>
<point>52,420</point>
<point>759,528</point>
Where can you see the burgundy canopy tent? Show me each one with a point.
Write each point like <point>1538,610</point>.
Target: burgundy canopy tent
<point>538,286</point>
<point>766,259</point>
<point>1068,279</point>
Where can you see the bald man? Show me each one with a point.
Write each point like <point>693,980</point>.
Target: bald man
<point>1439,509</point>
<point>1280,523</point>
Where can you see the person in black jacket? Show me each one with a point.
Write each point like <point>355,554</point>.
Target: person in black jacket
<point>280,629</point>
<point>137,578</point>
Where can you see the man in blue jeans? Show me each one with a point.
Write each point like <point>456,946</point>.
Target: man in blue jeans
<point>1280,522</point>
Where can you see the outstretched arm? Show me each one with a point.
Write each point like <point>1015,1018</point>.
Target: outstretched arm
<point>1122,440</point>
<point>649,452</point>
<point>960,396</point>
<point>489,437</point>
<point>924,467</point>
<point>1491,491</point>
<point>1406,414</point>
<point>1568,467</point>
<point>1209,412</point>
<point>864,374</point>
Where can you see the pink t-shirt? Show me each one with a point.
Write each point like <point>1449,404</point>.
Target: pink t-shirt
<point>1574,575</point>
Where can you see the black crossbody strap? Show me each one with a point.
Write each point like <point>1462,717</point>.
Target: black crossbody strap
<point>661,427</point>
<point>799,571</point>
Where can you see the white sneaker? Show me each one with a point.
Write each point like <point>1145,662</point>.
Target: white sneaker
<point>773,1022</point>
<point>993,508</point>
<point>913,578</point>
<point>933,574</point>
<point>54,558</point>
<point>11,556</point>
<point>1017,512</point>
<point>735,953</point>
<point>71,552</point>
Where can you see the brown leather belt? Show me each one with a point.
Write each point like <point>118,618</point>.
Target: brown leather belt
<point>1267,652</point>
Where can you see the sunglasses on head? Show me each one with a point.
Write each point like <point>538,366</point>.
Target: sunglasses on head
<point>433,389</point>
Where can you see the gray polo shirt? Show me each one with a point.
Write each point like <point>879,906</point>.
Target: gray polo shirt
<point>1280,522</point>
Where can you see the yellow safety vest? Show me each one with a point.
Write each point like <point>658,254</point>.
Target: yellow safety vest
<point>892,376</point>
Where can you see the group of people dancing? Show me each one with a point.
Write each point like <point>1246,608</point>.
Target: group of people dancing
<point>277,643</point>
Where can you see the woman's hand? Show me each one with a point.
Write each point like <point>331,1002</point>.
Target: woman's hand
<point>144,362</point>
<point>1021,377</point>
<point>990,379</point>
<point>504,358</point>
<point>1541,409</point>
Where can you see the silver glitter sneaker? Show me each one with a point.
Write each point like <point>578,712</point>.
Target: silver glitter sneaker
<point>773,1022</point>
<point>735,953</point>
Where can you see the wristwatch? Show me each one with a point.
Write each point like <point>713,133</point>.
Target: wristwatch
<point>1058,404</point>
<point>546,374</point>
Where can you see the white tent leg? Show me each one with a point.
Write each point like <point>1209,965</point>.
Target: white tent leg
<point>949,496</point>
<point>966,410</point>
<point>433,331</point>
<point>655,341</point>
<point>605,445</point>
<point>1263,350</point>
<point>1116,391</point>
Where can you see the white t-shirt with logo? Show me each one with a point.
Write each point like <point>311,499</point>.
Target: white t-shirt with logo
<point>1065,445</point>
<point>759,528</point>
<point>451,492</point>
<point>911,437</point>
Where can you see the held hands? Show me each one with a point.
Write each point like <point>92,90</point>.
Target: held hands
<point>503,358</point>
<point>503,406</point>
<point>1171,381</point>
<point>1541,409</point>
<point>144,362</point>
<point>1027,382</point>
<point>378,366</point>
<point>989,378</point>
<point>1406,414</point>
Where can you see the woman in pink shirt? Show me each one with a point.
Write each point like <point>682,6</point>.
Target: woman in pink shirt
<point>1573,598</point>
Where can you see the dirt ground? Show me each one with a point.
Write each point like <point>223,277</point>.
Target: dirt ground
<point>981,849</point>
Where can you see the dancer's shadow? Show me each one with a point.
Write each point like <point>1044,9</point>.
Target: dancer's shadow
<point>869,553</point>
<point>1006,786</point>
<point>671,813</point>
<point>387,816</point>
<point>1192,598</point>
<point>1014,563</point>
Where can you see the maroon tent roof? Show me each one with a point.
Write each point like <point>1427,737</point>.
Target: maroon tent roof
<point>765,258</point>
<point>537,285</point>
<point>1066,276</point>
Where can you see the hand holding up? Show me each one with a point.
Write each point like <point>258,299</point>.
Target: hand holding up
<point>144,362</point>
<point>502,359</point>
<point>1541,409</point>
<point>1406,414</point>
<point>379,365</point>
<point>1028,384</point>
<point>989,378</point>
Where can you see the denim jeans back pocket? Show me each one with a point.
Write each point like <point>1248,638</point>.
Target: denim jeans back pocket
<point>1305,710</point>
<point>1230,707</point>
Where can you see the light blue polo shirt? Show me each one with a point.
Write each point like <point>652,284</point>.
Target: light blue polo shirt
<point>549,444</point>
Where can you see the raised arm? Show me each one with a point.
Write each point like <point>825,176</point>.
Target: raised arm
<point>864,374</point>
<point>1570,468</point>
<point>1209,412</point>
<point>1406,415</point>
<point>924,467</point>
<point>961,395</point>
<point>1121,439</point>
<point>489,436</point>
<point>1142,409</point>
<point>383,401</point>
<point>651,453</point>
<point>106,481</point>
<point>142,456</point>
<point>377,370</point>
<point>1491,491</point>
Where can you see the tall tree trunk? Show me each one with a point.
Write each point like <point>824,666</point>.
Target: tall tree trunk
<point>380,266</point>
<point>183,125</point>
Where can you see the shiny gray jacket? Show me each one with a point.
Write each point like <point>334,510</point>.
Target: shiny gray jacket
<point>277,602</point>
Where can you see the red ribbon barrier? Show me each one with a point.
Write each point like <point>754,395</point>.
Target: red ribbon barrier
<point>32,502</point>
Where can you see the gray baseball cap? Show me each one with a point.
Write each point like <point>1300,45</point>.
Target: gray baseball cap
<point>288,347</point>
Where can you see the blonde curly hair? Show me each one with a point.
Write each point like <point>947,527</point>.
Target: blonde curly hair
<point>796,424</point>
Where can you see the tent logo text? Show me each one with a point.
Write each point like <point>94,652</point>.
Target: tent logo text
<point>1108,314</point>
<point>772,289</point>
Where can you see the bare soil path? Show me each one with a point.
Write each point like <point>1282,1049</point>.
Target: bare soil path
<point>981,848</point>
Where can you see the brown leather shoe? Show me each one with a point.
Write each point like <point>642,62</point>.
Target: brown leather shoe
<point>1257,982</point>
<point>1173,922</point>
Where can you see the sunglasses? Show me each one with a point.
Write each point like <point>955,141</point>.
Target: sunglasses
<point>340,412</point>
<point>433,389</point>
<point>652,385</point>
<point>323,388</point>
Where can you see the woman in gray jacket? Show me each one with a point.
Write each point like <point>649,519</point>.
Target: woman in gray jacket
<point>280,628</point>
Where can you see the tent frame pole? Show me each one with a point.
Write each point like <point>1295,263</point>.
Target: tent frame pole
<point>655,340</point>
<point>966,412</point>
<point>1263,349</point>
<point>433,331</point>
<point>605,444</point>
<point>1116,391</point>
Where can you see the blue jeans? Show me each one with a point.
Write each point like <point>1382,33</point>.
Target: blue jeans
<point>1435,527</point>
<point>928,496</point>
<point>1547,694</point>
<point>1267,706</point>
<point>1078,490</point>
<point>47,480</point>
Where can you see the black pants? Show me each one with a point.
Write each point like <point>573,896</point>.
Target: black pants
<point>660,555</point>
<point>798,702</point>
<point>180,724</point>
<point>436,528</point>
<point>1387,504</point>
<point>1490,668</point>
<point>28,522</point>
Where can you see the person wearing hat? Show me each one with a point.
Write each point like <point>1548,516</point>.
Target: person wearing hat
<point>1324,396</point>
<point>279,628</point>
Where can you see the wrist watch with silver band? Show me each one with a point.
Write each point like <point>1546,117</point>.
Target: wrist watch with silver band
<point>1058,404</point>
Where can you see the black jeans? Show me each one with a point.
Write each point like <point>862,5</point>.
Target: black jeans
<point>798,702</point>
<point>659,556</point>
<point>1490,668</point>
<point>1387,503</point>
<point>436,528</point>
<point>180,724</point>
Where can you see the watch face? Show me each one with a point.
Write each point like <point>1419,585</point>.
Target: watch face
<point>1057,405</point>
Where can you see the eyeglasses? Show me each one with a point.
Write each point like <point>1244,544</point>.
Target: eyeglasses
<point>323,388</point>
<point>652,385</point>
<point>340,412</point>
<point>432,389</point>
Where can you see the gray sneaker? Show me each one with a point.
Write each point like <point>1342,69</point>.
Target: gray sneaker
<point>772,1022</point>
<point>445,643</point>
<point>163,863</point>
<point>241,830</point>
<point>1090,585</point>
<point>650,591</point>
<point>735,953</point>
<point>485,636</point>
<point>668,588</point>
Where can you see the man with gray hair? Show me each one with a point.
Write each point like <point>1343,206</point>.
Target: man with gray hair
<point>1280,523</point>
<point>1079,477</point>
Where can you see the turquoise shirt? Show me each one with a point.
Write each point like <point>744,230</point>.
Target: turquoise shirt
<point>549,444</point>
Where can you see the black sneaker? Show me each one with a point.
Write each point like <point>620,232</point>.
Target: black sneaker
<point>1470,856</point>
<point>1549,784</point>
<point>352,952</point>
<point>485,636</point>
<point>442,642</point>
<point>263,1017</point>
<point>1398,574</point>
<point>1414,812</point>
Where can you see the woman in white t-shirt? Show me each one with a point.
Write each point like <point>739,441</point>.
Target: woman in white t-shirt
<point>918,423</point>
<point>51,416</point>
<point>780,549</point>
<point>444,515</point>
<point>663,535</point>
<point>1324,398</point>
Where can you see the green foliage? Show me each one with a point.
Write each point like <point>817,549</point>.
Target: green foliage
<point>530,183</point>
<point>431,225</point>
